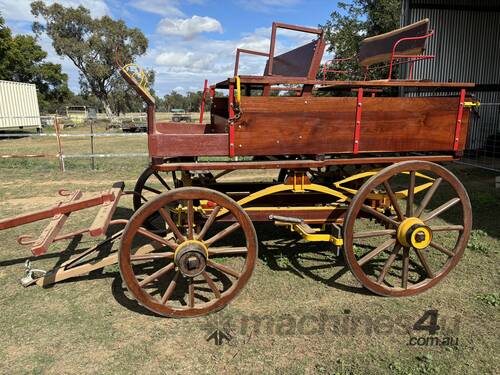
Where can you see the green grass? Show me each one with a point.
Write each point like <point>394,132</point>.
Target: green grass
<point>90,325</point>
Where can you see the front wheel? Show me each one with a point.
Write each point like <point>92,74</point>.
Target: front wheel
<point>205,258</point>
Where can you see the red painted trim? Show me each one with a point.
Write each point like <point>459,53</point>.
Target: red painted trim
<point>458,125</point>
<point>357,126</point>
<point>231,118</point>
<point>203,100</point>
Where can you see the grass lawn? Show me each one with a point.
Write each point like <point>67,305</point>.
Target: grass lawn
<point>300,312</point>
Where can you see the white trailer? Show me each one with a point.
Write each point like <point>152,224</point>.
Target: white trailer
<point>18,106</point>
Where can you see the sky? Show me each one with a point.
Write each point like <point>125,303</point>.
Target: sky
<point>191,40</point>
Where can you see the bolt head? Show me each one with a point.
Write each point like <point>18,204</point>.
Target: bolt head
<point>419,237</point>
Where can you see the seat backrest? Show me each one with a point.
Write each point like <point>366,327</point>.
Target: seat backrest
<point>377,49</point>
<point>303,61</point>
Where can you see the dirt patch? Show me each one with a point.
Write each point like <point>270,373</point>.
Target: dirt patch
<point>33,201</point>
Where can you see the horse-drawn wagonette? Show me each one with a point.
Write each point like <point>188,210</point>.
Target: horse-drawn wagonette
<point>354,167</point>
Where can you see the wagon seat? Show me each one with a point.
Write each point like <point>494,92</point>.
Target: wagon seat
<point>402,46</point>
<point>303,62</point>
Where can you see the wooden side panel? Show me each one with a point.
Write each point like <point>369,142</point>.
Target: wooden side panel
<point>315,125</point>
<point>177,145</point>
<point>220,107</point>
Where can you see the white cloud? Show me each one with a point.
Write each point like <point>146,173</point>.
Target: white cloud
<point>186,61</point>
<point>189,27</point>
<point>168,8</point>
<point>20,10</point>
<point>162,7</point>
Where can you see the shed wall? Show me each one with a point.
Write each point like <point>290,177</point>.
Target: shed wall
<point>18,105</point>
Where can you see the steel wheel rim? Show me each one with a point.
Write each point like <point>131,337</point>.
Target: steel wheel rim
<point>355,208</point>
<point>189,193</point>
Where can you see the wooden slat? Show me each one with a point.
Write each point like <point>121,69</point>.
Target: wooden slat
<point>259,80</point>
<point>41,245</point>
<point>304,163</point>
<point>101,221</point>
<point>176,145</point>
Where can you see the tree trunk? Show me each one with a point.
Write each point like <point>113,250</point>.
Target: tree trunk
<point>107,107</point>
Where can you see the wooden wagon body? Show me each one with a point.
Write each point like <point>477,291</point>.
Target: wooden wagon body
<point>274,125</point>
<point>355,167</point>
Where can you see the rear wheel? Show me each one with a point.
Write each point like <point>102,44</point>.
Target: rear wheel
<point>407,228</point>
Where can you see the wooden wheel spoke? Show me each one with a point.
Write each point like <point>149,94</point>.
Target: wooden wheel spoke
<point>191,292</point>
<point>446,228</point>
<point>406,266</point>
<point>442,249</point>
<point>144,198</point>
<point>230,229</point>
<point>190,218</point>
<point>152,190</point>
<point>411,195</point>
<point>171,225</point>
<point>374,233</point>
<point>155,237</point>
<point>393,200</point>
<point>168,255</point>
<point>224,251</point>
<point>372,254</point>
<point>379,215</point>
<point>438,211</point>
<point>211,284</point>
<point>162,181</point>
<point>428,196</point>
<point>157,274</point>
<point>224,269</point>
<point>209,223</point>
<point>170,289</point>
<point>424,263</point>
<point>388,263</point>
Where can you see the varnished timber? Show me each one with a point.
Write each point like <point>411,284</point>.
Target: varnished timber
<point>259,80</point>
<point>325,125</point>
<point>293,164</point>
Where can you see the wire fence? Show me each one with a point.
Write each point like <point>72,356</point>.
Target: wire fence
<point>483,147</point>
<point>61,155</point>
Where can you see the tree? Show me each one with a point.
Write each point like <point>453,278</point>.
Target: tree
<point>91,44</point>
<point>23,60</point>
<point>357,20</point>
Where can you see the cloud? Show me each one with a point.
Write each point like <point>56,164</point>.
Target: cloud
<point>188,28</point>
<point>186,61</point>
<point>161,7</point>
<point>20,10</point>
<point>167,8</point>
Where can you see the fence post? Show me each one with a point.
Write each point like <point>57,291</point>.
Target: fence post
<point>92,144</point>
<point>59,145</point>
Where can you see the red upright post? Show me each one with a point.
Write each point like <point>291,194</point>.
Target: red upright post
<point>458,125</point>
<point>357,126</point>
<point>202,112</point>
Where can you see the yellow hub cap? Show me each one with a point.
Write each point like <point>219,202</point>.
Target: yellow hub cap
<point>412,232</point>
<point>192,243</point>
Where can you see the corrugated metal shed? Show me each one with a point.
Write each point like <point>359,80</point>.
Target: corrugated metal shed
<point>18,105</point>
<point>467,48</point>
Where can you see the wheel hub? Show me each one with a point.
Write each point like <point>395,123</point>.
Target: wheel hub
<point>191,257</point>
<point>412,232</point>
